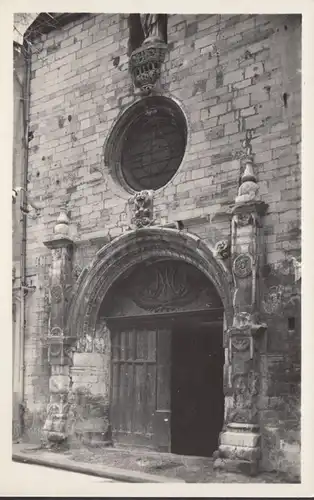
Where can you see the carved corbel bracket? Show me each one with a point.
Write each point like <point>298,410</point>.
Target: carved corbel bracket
<point>242,338</point>
<point>145,65</point>
<point>146,61</point>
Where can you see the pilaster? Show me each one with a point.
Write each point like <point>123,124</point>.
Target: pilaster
<point>59,345</point>
<point>239,447</point>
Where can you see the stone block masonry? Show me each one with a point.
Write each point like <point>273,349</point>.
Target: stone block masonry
<point>230,73</point>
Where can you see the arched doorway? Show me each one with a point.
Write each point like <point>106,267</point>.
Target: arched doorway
<point>167,357</point>
<point>115,263</point>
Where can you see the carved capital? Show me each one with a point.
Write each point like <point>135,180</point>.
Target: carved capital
<point>245,211</point>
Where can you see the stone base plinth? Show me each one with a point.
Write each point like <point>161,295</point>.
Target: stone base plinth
<point>93,439</point>
<point>56,437</point>
<point>239,449</point>
<point>236,466</point>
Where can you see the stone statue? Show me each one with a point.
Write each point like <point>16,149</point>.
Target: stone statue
<point>150,25</point>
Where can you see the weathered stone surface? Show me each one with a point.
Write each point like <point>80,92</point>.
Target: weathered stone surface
<point>235,465</point>
<point>240,439</point>
<point>239,452</point>
<point>59,383</point>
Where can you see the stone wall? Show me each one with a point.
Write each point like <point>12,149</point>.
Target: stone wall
<point>230,73</point>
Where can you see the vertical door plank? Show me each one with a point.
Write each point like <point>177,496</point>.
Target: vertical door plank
<point>163,367</point>
<point>162,418</point>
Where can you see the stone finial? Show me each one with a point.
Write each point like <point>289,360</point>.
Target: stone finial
<point>62,224</point>
<point>248,189</point>
<point>143,208</point>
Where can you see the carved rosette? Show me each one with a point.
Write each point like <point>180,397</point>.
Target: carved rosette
<point>143,209</point>
<point>145,64</point>
<point>242,266</point>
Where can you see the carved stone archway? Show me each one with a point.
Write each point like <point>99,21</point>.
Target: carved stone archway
<point>115,258</point>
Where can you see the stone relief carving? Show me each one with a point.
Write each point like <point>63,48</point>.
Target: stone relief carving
<point>244,219</point>
<point>98,343</point>
<point>222,249</point>
<point>281,297</point>
<point>164,287</point>
<point>245,388</point>
<point>56,420</point>
<point>288,267</point>
<point>77,269</point>
<point>240,344</point>
<point>242,266</point>
<point>143,208</point>
<point>90,344</point>
<point>56,293</point>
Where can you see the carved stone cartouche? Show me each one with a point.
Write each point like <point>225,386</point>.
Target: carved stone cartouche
<point>143,208</point>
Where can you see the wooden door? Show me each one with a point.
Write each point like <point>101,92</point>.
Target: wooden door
<point>140,397</point>
<point>197,389</point>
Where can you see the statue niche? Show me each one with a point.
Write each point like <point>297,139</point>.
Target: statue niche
<point>160,287</point>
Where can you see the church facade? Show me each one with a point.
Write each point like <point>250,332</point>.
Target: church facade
<point>161,214</point>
